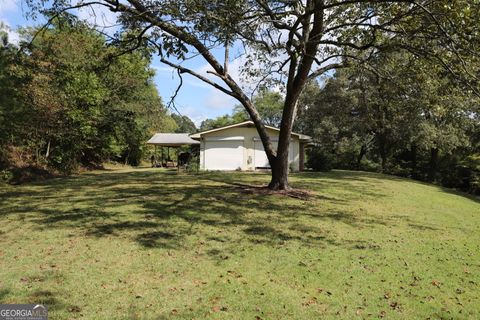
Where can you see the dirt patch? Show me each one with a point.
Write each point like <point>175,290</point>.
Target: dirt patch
<point>263,190</point>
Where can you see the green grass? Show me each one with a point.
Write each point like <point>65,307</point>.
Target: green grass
<point>150,244</point>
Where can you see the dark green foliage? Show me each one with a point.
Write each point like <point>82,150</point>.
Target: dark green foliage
<point>223,121</point>
<point>320,159</point>
<point>462,174</point>
<point>184,123</point>
<point>70,100</point>
<point>416,122</point>
<point>193,164</point>
<point>268,103</point>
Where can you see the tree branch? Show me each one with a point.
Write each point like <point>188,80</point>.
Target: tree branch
<point>198,76</point>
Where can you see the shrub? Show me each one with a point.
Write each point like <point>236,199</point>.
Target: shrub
<point>320,159</point>
<point>29,174</point>
<point>463,175</point>
<point>193,164</point>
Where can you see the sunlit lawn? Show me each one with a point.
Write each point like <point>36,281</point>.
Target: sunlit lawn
<point>150,244</point>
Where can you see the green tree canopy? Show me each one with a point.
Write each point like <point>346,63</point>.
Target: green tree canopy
<point>77,101</point>
<point>184,123</point>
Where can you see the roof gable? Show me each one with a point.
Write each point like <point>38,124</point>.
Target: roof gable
<point>248,123</point>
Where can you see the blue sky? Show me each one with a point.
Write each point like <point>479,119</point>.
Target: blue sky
<point>196,99</point>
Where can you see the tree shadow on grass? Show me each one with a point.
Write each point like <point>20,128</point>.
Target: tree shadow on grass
<point>336,176</point>
<point>47,298</point>
<point>161,210</point>
<point>3,294</point>
<point>258,219</point>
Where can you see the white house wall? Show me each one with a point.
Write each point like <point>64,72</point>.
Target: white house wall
<point>250,138</point>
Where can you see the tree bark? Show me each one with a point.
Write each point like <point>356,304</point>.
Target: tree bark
<point>363,151</point>
<point>279,175</point>
<point>382,148</point>
<point>295,84</point>
<point>279,166</point>
<point>413,155</point>
<point>47,153</point>
<point>432,172</point>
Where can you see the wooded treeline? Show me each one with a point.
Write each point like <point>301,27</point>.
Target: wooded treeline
<point>68,100</point>
<point>404,116</point>
<point>413,120</point>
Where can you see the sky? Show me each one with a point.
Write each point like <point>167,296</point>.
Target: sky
<point>196,99</point>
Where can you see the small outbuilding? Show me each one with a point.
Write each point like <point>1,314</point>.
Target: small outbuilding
<point>168,140</point>
<point>238,147</point>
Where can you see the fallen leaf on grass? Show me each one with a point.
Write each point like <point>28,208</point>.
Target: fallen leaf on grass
<point>75,309</point>
<point>436,283</point>
<point>394,305</point>
<point>309,302</point>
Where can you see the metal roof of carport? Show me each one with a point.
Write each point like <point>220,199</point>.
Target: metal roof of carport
<point>171,139</point>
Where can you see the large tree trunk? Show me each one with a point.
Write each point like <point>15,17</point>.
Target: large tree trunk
<point>295,84</point>
<point>279,175</point>
<point>280,164</point>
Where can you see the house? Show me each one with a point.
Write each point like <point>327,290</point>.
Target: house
<point>238,147</point>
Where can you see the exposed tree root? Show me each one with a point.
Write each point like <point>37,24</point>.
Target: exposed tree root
<point>264,190</point>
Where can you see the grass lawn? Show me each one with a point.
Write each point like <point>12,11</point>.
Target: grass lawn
<point>151,244</point>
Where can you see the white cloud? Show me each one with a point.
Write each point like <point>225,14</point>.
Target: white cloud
<point>191,81</point>
<point>8,6</point>
<point>13,36</point>
<point>195,114</point>
<point>162,69</point>
<point>219,100</point>
<point>100,17</point>
<point>203,70</point>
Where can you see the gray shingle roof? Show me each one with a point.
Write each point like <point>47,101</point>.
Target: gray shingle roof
<point>172,139</point>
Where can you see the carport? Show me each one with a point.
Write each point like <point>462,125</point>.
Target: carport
<point>169,140</point>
